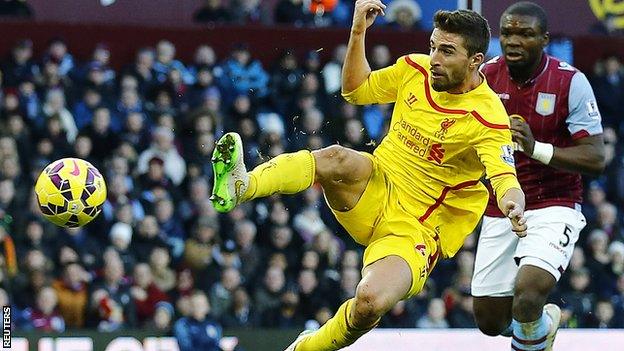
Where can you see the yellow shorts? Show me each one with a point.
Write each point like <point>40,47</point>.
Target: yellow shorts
<point>379,222</point>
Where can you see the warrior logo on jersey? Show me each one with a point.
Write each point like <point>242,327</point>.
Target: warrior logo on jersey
<point>508,154</point>
<point>545,103</point>
<point>411,99</point>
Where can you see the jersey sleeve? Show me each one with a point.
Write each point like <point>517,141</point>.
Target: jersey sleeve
<point>495,150</point>
<point>381,86</point>
<point>584,118</point>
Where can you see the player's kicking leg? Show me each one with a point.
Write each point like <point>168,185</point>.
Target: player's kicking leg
<point>343,173</point>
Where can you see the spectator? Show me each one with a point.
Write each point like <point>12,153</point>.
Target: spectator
<point>204,80</point>
<point>165,62</point>
<point>72,294</point>
<point>402,315</point>
<point>189,208</point>
<point>143,70</point>
<point>121,236</point>
<point>578,301</point>
<point>604,316</point>
<point>241,313</point>
<point>241,75</point>
<point>148,238</point>
<point>292,12</point>
<point>97,77</point>
<point>129,101</point>
<point>112,298</point>
<point>145,293</point>
<point>332,70</point>
<point>85,108</point>
<point>164,277</point>
<point>57,51</point>
<point>435,317</point>
<point>163,318</point>
<point>163,147</point>
<point>284,316</point>
<point>222,292</point>
<point>102,133</point>
<point>404,14</point>
<point>286,80</point>
<point>170,225</point>
<point>20,65</point>
<point>609,89</point>
<point>45,316</point>
<point>310,294</point>
<point>249,252</point>
<point>198,331</point>
<point>54,106</point>
<point>199,249</point>
<point>135,131</point>
<point>462,315</point>
<point>248,12</point>
<point>213,11</point>
<point>155,183</point>
<point>267,295</point>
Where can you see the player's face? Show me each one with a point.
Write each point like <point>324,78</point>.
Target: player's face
<point>522,40</point>
<point>449,60</point>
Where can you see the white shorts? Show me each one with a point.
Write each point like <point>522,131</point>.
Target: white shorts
<point>551,235</point>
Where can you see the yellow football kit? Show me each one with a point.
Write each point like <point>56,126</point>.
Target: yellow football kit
<point>425,195</point>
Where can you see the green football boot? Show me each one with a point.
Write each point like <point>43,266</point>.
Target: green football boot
<point>230,175</point>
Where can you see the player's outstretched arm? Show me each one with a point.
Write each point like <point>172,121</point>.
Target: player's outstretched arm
<point>587,155</point>
<point>356,68</point>
<point>512,205</point>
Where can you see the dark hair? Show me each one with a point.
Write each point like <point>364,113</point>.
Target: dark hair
<point>527,8</point>
<point>467,23</point>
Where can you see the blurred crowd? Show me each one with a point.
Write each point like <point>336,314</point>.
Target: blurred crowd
<point>400,14</point>
<point>160,257</point>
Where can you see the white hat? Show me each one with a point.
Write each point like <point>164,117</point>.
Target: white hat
<point>396,5</point>
<point>122,231</point>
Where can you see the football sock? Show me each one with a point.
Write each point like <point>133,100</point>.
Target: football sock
<point>530,336</point>
<point>284,174</point>
<point>335,334</point>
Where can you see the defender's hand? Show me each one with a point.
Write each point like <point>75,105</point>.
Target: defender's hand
<point>515,213</point>
<point>521,134</point>
<point>365,13</point>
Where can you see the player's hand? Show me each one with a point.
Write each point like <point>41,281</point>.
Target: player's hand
<point>521,134</point>
<point>365,13</point>
<point>515,213</point>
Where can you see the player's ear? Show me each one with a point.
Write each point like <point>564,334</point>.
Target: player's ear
<point>476,60</point>
<point>546,39</point>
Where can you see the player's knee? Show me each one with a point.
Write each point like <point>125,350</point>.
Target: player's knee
<point>528,304</point>
<point>331,162</point>
<point>369,305</point>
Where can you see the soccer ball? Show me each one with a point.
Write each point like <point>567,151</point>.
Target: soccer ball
<point>70,192</point>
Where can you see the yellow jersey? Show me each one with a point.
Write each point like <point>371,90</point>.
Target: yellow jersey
<point>439,146</point>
